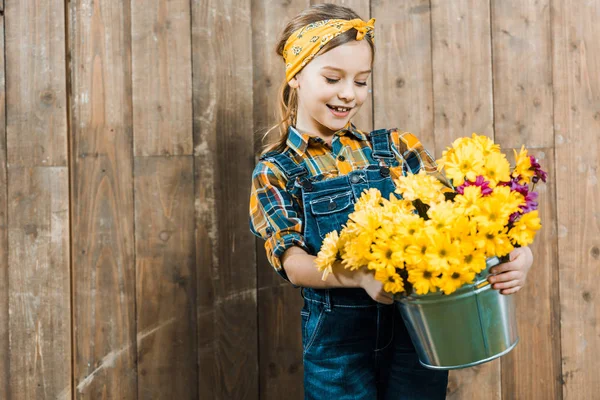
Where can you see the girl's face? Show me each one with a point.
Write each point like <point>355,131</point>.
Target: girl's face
<point>334,79</point>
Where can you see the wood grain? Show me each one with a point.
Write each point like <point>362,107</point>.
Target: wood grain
<point>37,190</point>
<point>402,82</point>
<point>223,123</point>
<point>162,77</point>
<point>462,68</point>
<point>104,276</point>
<point>165,284</point>
<point>4,318</point>
<point>522,49</point>
<point>576,62</point>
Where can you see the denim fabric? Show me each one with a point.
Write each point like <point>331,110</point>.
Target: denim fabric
<point>356,348</point>
<point>353,347</point>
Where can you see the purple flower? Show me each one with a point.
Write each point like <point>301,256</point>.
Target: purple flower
<point>480,181</point>
<point>539,173</point>
<point>515,186</point>
<point>530,202</point>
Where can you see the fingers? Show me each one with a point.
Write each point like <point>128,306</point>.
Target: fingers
<point>507,285</point>
<point>505,277</point>
<point>511,290</point>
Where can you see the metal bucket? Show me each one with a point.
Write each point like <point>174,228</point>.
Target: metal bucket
<point>471,326</point>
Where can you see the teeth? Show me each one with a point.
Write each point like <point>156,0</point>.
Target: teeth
<point>340,109</point>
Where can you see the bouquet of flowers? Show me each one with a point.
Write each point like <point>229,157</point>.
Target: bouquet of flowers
<point>433,237</point>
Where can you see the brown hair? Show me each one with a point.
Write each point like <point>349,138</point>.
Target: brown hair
<point>288,99</point>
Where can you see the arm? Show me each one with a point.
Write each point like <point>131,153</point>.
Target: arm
<point>301,271</point>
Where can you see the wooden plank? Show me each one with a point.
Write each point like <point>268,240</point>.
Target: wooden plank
<point>165,284</point>
<point>576,61</point>
<point>162,77</point>
<point>279,304</point>
<point>164,204</point>
<point>462,86</point>
<point>102,197</point>
<point>462,72</point>
<point>364,118</point>
<point>39,323</point>
<point>39,303</point>
<point>402,83</point>
<point>223,104</point>
<point>523,111</point>
<point>522,73</point>
<point>4,345</point>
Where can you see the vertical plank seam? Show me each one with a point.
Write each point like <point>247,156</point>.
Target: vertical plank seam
<point>68,96</point>
<point>134,345</point>
<point>556,303</point>
<point>195,269</point>
<point>7,372</point>
<point>432,79</point>
<point>491,31</point>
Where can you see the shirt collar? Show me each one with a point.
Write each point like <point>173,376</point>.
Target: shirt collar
<point>299,141</point>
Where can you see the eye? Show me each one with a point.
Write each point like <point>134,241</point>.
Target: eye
<point>361,83</point>
<point>329,80</point>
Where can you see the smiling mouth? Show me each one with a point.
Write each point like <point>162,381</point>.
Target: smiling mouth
<point>340,109</point>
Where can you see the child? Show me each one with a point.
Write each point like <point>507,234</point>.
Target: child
<point>355,343</point>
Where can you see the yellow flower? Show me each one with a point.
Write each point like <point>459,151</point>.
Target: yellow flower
<point>511,199</point>
<point>328,254</point>
<point>392,281</point>
<point>524,230</point>
<point>442,253</point>
<point>495,242</point>
<point>522,168</point>
<point>369,199</point>
<point>493,214</point>
<point>382,250</point>
<point>473,257</point>
<point>442,215</point>
<point>464,161</point>
<point>468,203</point>
<point>496,169</point>
<point>423,278</point>
<point>357,251</point>
<point>454,278</point>
<point>486,144</point>
<point>420,186</point>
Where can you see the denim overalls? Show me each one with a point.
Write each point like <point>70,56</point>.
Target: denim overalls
<point>354,347</point>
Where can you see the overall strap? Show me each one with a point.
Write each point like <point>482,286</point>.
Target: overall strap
<point>381,143</point>
<point>286,164</point>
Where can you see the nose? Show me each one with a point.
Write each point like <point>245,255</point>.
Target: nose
<point>347,91</point>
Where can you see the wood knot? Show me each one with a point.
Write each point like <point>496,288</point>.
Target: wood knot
<point>587,297</point>
<point>47,97</point>
<point>164,236</point>
<point>595,252</point>
<point>400,83</point>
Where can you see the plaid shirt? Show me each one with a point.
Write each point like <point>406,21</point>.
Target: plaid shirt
<point>276,214</point>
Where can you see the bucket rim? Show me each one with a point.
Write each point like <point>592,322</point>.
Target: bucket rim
<point>464,290</point>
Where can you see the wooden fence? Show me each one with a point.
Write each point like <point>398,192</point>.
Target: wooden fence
<point>129,133</point>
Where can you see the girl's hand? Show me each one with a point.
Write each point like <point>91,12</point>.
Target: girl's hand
<point>510,276</point>
<point>373,287</point>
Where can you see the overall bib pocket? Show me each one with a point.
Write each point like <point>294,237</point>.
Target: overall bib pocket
<point>332,211</point>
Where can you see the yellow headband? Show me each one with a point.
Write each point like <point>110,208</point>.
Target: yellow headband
<point>305,43</point>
